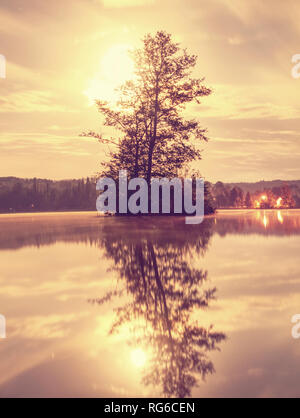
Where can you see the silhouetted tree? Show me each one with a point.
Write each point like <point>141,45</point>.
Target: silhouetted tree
<point>287,198</point>
<point>222,195</point>
<point>155,137</point>
<point>248,200</point>
<point>233,196</point>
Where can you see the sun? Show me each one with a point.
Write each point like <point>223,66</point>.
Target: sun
<point>138,357</point>
<point>115,67</point>
<point>117,64</point>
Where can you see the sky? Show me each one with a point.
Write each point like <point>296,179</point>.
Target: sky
<point>60,55</point>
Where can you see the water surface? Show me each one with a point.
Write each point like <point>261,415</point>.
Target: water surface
<point>150,307</point>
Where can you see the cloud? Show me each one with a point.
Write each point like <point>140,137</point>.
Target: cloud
<point>31,101</point>
<point>44,327</point>
<point>125,3</point>
<point>9,24</point>
<point>229,101</point>
<point>244,52</point>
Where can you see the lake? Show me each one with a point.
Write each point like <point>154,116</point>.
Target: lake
<point>116,307</point>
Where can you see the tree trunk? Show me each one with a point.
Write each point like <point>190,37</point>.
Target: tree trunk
<point>153,137</point>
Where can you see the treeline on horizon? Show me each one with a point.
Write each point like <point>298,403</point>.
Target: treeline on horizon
<point>34,195</point>
<point>281,195</point>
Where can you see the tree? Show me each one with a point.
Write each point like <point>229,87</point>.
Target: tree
<point>248,200</point>
<point>222,195</point>
<point>240,197</point>
<point>287,198</point>
<point>156,139</point>
<point>233,196</point>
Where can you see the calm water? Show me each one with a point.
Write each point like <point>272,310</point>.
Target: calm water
<point>124,307</point>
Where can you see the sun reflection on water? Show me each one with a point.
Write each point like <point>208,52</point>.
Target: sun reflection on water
<point>279,217</point>
<point>265,221</point>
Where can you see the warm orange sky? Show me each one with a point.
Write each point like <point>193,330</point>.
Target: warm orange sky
<point>58,54</point>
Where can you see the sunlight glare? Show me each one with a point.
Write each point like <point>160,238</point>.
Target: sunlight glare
<point>116,67</point>
<point>138,357</point>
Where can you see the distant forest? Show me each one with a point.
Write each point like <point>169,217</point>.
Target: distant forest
<point>34,195</point>
<point>265,195</point>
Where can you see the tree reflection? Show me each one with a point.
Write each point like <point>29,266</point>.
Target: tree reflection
<point>165,292</point>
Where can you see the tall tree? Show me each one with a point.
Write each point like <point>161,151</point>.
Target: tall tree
<point>156,140</point>
<point>287,198</point>
<point>233,196</point>
<point>248,200</point>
